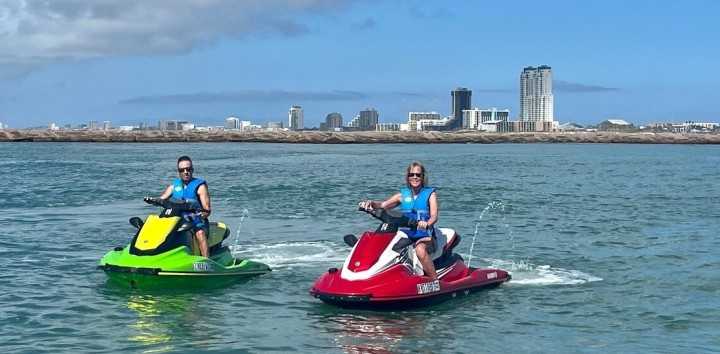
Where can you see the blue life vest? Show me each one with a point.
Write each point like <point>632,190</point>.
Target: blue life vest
<point>418,209</point>
<point>187,193</point>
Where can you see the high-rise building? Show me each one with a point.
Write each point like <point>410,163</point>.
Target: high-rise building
<point>93,125</point>
<point>461,100</point>
<point>368,119</point>
<point>536,97</point>
<point>232,123</point>
<point>295,118</point>
<point>333,120</point>
<point>106,125</point>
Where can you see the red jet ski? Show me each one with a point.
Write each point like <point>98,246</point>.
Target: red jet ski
<point>382,271</point>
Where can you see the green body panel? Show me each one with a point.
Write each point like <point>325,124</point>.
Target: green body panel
<point>177,267</point>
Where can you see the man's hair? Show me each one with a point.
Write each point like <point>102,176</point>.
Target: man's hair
<point>184,158</point>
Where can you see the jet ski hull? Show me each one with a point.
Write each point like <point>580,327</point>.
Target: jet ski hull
<point>164,253</point>
<point>398,288</point>
<point>177,268</point>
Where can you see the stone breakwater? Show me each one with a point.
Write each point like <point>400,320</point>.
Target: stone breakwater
<point>318,137</point>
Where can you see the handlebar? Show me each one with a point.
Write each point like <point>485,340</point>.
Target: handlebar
<point>391,217</point>
<point>152,201</point>
<point>174,203</point>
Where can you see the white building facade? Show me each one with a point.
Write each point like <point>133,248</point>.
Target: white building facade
<point>419,120</point>
<point>295,118</point>
<point>479,119</point>
<point>536,94</point>
<point>232,123</point>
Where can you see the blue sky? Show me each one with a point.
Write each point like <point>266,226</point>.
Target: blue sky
<point>127,61</point>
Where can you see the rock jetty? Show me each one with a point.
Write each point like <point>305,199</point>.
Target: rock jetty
<point>322,137</point>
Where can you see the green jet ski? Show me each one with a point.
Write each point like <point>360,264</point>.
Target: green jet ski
<point>164,253</point>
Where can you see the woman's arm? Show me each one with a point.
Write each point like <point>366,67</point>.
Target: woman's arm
<point>387,204</point>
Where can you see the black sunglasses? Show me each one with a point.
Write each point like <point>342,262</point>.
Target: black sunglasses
<point>186,169</point>
<point>419,175</point>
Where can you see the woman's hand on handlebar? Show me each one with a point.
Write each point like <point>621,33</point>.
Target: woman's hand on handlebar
<point>365,205</point>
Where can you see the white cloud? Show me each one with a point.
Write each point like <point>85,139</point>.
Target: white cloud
<point>38,33</point>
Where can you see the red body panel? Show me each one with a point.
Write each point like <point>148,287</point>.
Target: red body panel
<point>397,286</point>
<point>368,250</point>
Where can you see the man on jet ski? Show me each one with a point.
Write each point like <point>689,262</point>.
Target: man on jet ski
<point>420,203</point>
<point>195,191</point>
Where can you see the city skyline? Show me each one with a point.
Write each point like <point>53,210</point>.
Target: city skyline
<point>641,62</point>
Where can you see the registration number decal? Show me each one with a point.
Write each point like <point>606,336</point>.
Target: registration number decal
<point>424,288</point>
<point>492,275</point>
<point>202,267</point>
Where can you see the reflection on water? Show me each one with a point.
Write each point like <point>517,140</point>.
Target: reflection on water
<point>166,321</point>
<point>375,332</point>
<point>158,319</point>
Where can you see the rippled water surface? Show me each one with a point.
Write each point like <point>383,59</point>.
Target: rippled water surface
<point>612,248</point>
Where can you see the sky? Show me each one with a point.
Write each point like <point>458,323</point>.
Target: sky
<point>131,61</point>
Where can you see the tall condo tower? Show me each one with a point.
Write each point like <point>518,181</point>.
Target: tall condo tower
<point>295,118</point>
<point>461,100</point>
<point>536,97</point>
<point>368,118</point>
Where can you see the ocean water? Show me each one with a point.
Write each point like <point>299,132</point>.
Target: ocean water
<point>612,248</point>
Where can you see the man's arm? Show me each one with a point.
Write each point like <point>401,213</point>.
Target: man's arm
<point>204,197</point>
<point>167,193</point>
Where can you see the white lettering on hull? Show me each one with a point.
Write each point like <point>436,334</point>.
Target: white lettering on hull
<point>202,267</point>
<point>429,287</point>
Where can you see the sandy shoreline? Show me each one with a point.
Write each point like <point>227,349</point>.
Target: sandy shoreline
<point>318,137</point>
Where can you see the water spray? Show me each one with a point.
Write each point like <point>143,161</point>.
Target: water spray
<point>245,213</point>
<point>491,205</point>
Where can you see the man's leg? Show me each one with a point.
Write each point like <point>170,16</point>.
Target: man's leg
<point>201,237</point>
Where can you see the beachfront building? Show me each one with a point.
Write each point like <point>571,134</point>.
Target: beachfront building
<point>174,125</point>
<point>388,127</point>
<point>106,125</point>
<point>295,118</point>
<point>461,100</point>
<point>232,123</point>
<point>686,127</point>
<point>419,120</point>
<point>367,119</point>
<point>273,126</point>
<point>615,125</point>
<point>484,119</point>
<point>93,125</point>
<point>333,122</point>
<point>536,98</point>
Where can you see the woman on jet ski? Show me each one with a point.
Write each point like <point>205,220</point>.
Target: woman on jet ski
<point>418,201</point>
